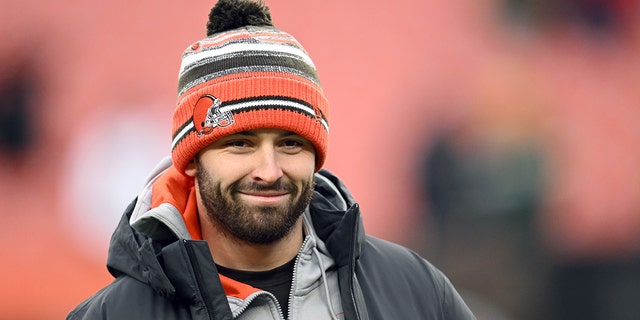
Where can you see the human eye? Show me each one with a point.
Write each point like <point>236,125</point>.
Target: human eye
<point>236,145</point>
<point>294,145</point>
<point>291,143</point>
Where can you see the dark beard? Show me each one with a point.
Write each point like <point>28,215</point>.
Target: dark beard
<point>253,224</point>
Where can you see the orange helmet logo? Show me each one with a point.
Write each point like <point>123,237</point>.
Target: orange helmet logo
<point>207,115</point>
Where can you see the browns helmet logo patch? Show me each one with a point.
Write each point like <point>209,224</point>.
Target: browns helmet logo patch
<point>207,115</point>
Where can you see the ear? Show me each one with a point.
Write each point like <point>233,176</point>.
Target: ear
<point>190,170</point>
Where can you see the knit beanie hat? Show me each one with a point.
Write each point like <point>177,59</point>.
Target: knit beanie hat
<point>246,75</point>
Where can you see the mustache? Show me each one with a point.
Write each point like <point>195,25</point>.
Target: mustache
<point>278,186</point>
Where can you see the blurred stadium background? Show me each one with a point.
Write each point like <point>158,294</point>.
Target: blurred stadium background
<point>499,138</point>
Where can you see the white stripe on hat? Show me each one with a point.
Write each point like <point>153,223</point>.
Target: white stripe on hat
<point>181,134</point>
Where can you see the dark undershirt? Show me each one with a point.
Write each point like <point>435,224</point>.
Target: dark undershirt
<point>277,281</point>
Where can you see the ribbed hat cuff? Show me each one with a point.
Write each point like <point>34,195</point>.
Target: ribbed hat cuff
<point>253,101</point>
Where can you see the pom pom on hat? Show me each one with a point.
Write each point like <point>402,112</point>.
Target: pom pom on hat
<point>246,75</point>
<point>229,14</point>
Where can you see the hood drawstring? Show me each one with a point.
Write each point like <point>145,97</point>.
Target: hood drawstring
<point>325,284</point>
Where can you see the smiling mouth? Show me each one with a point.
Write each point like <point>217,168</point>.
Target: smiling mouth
<point>264,193</point>
<point>264,198</point>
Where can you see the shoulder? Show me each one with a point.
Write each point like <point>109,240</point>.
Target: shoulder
<point>126,298</point>
<point>388,272</point>
<point>381,256</point>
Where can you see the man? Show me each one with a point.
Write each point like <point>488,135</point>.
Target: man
<point>242,222</point>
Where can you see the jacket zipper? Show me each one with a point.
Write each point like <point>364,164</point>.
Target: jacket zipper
<point>352,268</point>
<point>294,276</point>
<point>199,279</point>
<point>253,296</point>
<point>250,298</point>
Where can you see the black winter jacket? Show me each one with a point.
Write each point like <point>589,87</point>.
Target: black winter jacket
<point>162,277</point>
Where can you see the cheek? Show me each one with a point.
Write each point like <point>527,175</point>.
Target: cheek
<point>300,173</point>
<point>225,171</point>
<point>301,166</point>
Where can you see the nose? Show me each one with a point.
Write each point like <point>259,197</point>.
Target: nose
<point>267,169</point>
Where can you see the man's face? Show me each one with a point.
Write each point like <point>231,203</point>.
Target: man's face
<point>256,184</point>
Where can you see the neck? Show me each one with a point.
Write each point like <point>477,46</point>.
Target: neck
<point>238,254</point>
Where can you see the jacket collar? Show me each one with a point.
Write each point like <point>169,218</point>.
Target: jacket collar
<point>157,218</point>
